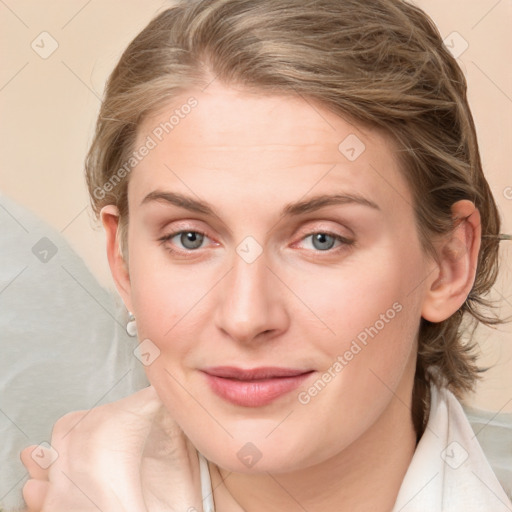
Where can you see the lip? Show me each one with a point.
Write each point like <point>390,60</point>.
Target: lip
<point>253,387</point>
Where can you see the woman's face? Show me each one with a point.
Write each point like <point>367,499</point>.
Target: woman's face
<point>267,233</point>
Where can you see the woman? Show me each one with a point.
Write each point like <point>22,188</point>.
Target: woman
<point>296,215</point>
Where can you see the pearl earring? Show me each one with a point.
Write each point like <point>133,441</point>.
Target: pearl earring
<point>131,326</point>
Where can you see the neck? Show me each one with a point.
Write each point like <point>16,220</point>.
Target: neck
<point>367,475</point>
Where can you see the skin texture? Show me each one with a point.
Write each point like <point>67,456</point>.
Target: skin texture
<point>297,305</point>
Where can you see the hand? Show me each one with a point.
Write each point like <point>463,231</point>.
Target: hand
<point>126,456</point>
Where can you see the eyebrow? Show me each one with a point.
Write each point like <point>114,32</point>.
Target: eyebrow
<point>290,210</point>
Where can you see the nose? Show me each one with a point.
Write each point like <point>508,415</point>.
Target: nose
<point>251,302</point>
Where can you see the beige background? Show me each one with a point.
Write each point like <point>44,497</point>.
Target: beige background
<point>48,109</point>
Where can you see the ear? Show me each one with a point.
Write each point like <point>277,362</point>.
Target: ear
<point>110,219</point>
<point>457,262</point>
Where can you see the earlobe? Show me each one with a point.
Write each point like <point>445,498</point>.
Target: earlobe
<point>110,219</point>
<point>457,262</point>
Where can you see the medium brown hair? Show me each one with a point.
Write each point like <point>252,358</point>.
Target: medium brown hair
<point>380,63</point>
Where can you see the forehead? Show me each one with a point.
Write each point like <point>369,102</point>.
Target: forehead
<point>230,138</point>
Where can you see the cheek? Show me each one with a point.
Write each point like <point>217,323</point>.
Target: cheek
<point>355,298</point>
<point>372,311</point>
<point>165,307</point>
<point>173,306</point>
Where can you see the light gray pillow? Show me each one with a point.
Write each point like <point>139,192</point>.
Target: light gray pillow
<point>494,433</point>
<point>63,341</point>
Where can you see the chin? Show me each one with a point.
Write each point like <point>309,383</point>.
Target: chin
<point>263,455</point>
<point>260,463</point>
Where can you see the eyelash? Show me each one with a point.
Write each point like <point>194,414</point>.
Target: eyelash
<point>345,242</point>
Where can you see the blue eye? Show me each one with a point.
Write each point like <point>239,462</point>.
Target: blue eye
<point>324,242</point>
<point>190,240</point>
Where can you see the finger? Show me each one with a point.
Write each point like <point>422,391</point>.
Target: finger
<point>94,448</point>
<point>34,494</point>
<point>29,457</point>
<point>104,444</point>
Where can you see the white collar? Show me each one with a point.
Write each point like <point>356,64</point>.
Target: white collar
<point>449,471</point>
